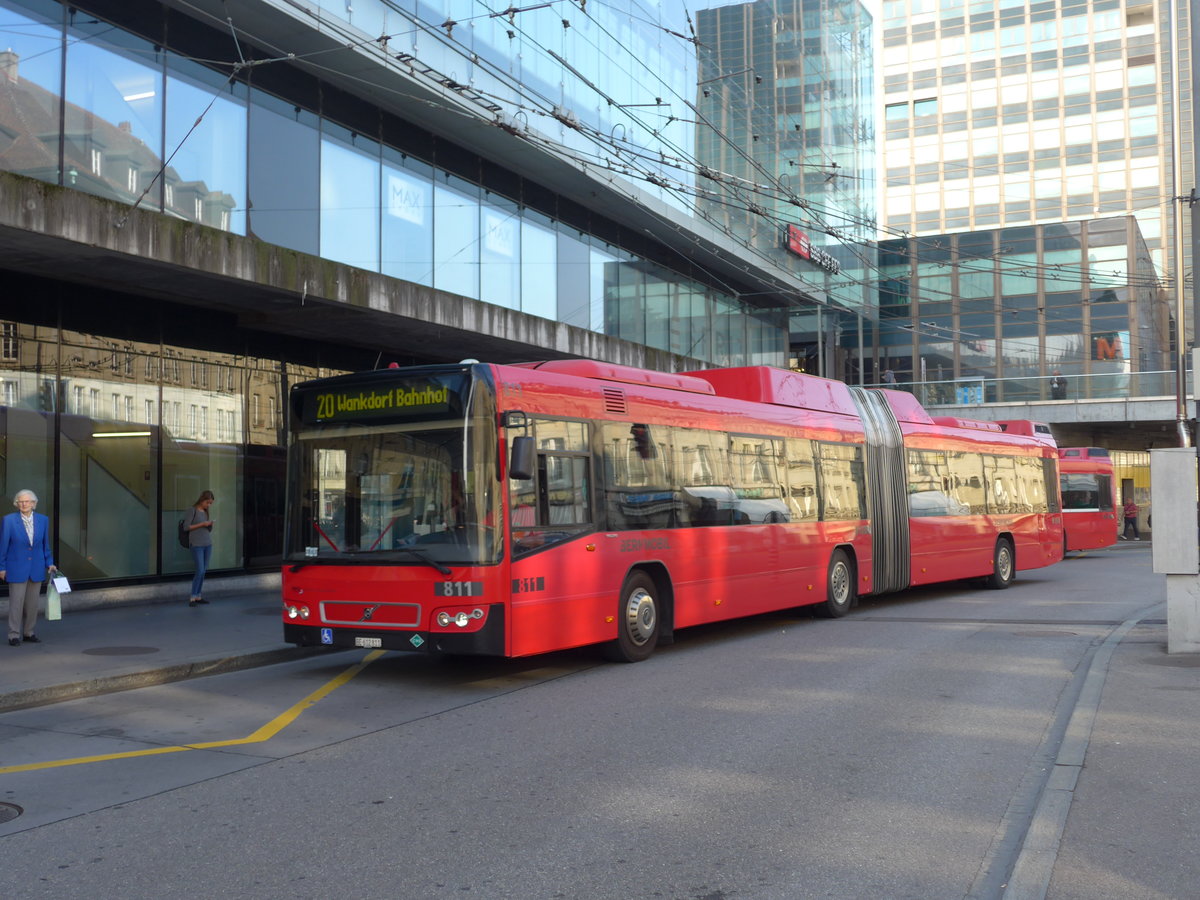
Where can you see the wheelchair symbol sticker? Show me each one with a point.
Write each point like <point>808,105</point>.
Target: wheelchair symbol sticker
<point>326,635</point>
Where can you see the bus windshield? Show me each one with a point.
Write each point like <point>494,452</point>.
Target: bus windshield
<point>419,491</point>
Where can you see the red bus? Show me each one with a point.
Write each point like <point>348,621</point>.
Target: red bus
<point>1089,498</point>
<point>519,509</point>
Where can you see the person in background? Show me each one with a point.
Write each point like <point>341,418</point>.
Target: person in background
<point>24,561</point>
<point>1058,386</point>
<point>199,528</point>
<point>889,377</point>
<point>1131,514</point>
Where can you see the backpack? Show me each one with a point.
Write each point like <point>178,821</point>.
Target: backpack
<point>184,536</point>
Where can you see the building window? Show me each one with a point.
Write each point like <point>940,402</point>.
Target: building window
<point>132,180</point>
<point>10,344</point>
<point>97,162</point>
<point>928,107</point>
<point>12,393</point>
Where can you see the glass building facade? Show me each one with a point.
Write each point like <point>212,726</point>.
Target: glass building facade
<point>118,424</point>
<point>1008,304</point>
<point>787,108</point>
<point>119,410</point>
<point>1005,117</point>
<point>789,85</point>
<point>152,119</point>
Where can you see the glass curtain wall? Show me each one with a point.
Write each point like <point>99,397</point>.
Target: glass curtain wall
<point>136,429</point>
<point>1021,303</point>
<point>140,124</point>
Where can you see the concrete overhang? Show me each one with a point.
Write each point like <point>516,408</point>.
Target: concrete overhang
<point>71,237</point>
<point>335,52</point>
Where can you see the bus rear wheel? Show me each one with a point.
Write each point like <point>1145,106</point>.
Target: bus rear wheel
<point>839,587</point>
<point>1004,566</point>
<point>638,620</point>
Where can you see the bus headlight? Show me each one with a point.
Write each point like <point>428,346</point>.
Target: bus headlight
<point>296,611</point>
<point>461,618</point>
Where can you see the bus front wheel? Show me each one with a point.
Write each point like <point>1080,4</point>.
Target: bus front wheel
<point>1004,566</point>
<point>637,620</point>
<point>839,587</point>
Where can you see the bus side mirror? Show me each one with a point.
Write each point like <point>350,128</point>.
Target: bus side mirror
<point>520,460</point>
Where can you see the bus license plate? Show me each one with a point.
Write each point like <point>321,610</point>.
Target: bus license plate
<point>368,642</point>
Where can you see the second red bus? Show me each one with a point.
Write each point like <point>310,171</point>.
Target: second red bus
<point>1089,498</point>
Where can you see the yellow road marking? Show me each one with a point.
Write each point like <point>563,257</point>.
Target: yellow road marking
<point>265,733</point>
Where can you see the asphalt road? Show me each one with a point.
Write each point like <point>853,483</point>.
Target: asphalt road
<point>897,753</point>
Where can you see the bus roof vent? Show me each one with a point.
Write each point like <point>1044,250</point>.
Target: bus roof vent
<point>974,424</point>
<point>614,400</point>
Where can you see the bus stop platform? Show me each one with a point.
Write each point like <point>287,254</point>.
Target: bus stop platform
<point>114,639</point>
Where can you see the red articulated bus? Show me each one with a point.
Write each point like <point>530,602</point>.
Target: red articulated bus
<point>1089,498</point>
<point>519,509</point>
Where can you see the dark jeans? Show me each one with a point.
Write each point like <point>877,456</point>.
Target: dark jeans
<point>1131,522</point>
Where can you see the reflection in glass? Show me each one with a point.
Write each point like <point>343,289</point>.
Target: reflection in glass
<point>350,198</point>
<point>539,260</point>
<point>206,142</point>
<point>114,96</point>
<point>456,236</point>
<point>500,250</point>
<point>284,166</point>
<point>407,225</point>
<point>31,67</point>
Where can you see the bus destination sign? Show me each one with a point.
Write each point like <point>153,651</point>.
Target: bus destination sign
<point>358,403</point>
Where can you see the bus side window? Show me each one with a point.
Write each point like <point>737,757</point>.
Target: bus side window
<point>842,490</point>
<point>801,480</point>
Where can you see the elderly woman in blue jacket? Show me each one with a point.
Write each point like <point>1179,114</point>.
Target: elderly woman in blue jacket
<point>24,560</point>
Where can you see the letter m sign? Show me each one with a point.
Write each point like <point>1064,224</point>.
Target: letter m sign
<point>1107,346</point>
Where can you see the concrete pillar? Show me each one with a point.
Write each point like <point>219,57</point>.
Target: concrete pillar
<point>1176,547</point>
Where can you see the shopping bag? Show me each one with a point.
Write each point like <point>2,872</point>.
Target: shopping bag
<point>57,586</point>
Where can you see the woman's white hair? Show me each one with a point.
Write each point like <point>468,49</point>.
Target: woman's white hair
<point>25,493</point>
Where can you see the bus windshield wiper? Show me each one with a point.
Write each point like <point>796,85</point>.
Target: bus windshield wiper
<point>422,556</point>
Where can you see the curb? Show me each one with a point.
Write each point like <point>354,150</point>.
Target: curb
<point>58,693</point>
<point>85,598</point>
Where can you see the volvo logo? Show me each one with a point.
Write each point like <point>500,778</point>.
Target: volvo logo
<point>368,612</point>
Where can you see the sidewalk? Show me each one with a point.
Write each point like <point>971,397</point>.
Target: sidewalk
<point>116,639</point>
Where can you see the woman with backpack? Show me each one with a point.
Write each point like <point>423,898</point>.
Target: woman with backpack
<point>198,526</point>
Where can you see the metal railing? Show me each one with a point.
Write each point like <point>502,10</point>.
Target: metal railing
<point>1099,386</point>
